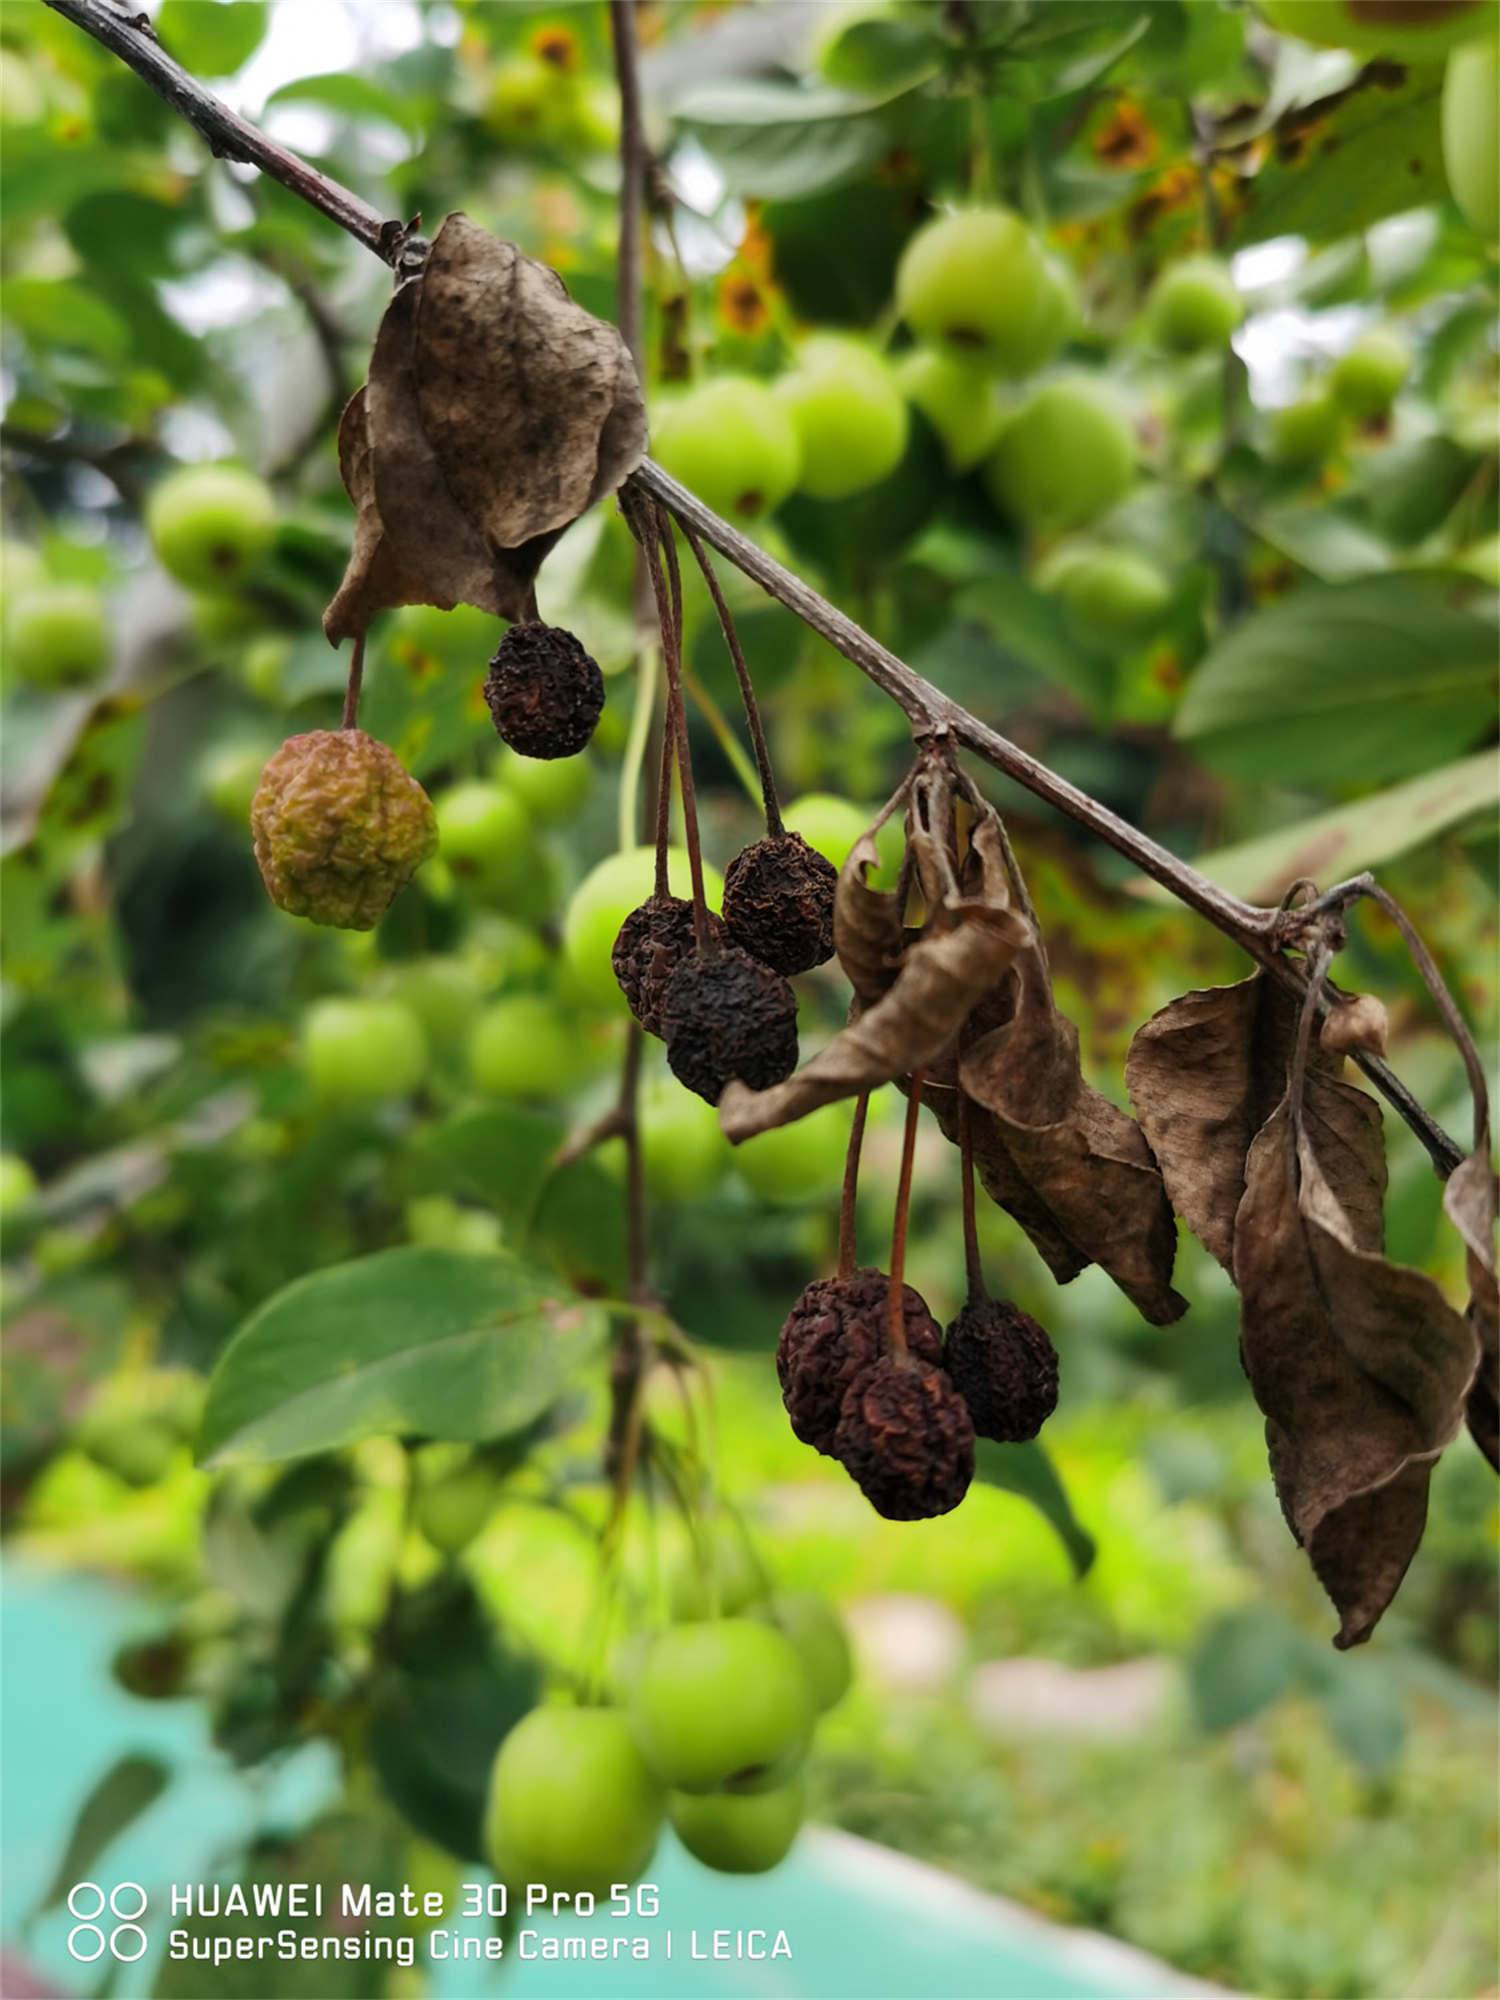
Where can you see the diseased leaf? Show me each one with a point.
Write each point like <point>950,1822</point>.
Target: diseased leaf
<point>1204,1075</point>
<point>374,579</point>
<point>1360,1365</point>
<point>1085,1160</point>
<point>944,973</point>
<point>867,930</point>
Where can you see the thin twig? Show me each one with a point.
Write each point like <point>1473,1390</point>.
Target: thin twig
<point>769,800</point>
<point>849,1194</point>
<point>895,1298</point>
<point>113,461</point>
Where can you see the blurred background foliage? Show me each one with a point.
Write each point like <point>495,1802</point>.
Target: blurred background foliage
<point>1106,1691</point>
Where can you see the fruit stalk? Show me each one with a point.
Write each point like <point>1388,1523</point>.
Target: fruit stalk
<point>973,1264</point>
<point>895,1294</point>
<point>1254,929</point>
<point>747,688</point>
<point>849,1194</point>
<point>352,686</point>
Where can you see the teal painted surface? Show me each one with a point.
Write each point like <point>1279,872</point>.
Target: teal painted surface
<point>863,1925</point>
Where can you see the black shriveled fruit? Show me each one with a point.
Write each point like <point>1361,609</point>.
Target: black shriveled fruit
<point>725,1015</point>
<point>652,942</point>
<point>778,903</point>
<point>906,1440</point>
<point>1005,1367</point>
<point>545,692</point>
<point>835,1332</point>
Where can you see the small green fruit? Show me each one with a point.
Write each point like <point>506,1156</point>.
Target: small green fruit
<point>740,1835</point>
<point>1305,433</point>
<point>552,789</point>
<point>849,417</point>
<point>443,993</point>
<point>1064,458</point>
<point>1471,135</point>
<point>975,283</point>
<point>17,1185</point>
<point>722,1705</point>
<point>231,777</point>
<point>451,1510</point>
<point>958,398</point>
<point>529,101</point>
<point>521,1047</point>
<point>732,444</point>
<point>57,635</point>
<point>817,1632</point>
<point>571,1803</point>
<point>211,525</point>
<point>684,1153</point>
<point>719,1579</point>
<point>357,1051</point>
<point>800,1162</point>
<point>21,570</point>
<point>1367,380</point>
<point>484,835</point>
<point>832,825</point>
<point>1110,596</point>
<point>1194,306</point>
<point>601,903</point>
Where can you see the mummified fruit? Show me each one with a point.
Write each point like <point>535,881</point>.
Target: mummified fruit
<point>725,1015</point>
<point>544,691</point>
<point>1005,1368</point>
<point>778,903</point>
<point>906,1439</point>
<point>833,1334</point>
<point>652,942</point>
<point>340,827</point>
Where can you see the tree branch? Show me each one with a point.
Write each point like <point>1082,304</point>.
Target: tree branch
<point>1257,931</point>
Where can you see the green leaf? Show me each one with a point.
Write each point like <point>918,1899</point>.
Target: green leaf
<point>1375,679</point>
<point>354,97</point>
<point>1409,490</point>
<point>836,253</point>
<point>1376,153</point>
<point>1029,626</point>
<point>1365,834</point>
<point>1245,1660</point>
<point>60,313</point>
<point>770,139</point>
<point>115,229</point>
<point>406,1341</point>
<point>120,1796</point>
<point>1027,1471</point>
<point>884,53</point>
<point>502,1155</point>
<point>212,37</point>
<point>1365,1713</point>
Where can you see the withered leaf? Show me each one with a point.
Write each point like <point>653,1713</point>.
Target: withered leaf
<point>1469,1201</point>
<point>1360,1365</point>
<point>1005,1184</point>
<point>867,929</point>
<point>373,580</point>
<point>1084,1159</point>
<point>531,404</point>
<point>942,976</point>
<point>1204,1075</point>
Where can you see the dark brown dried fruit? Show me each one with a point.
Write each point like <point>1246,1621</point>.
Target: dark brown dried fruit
<point>778,903</point>
<point>833,1334</point>
<point>652,942</point>
<point>726,1016</point>
<point>1005,1367</point>
<point>545,692</point>
<point>906,1439</point>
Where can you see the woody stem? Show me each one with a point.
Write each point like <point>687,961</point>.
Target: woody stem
<point>895,1307</point>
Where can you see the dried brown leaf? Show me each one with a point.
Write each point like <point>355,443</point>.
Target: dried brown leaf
<point>943,974</point>
<point>1086,1161</point>
<point>1360,1365</point>
<point>1204,1075</point>
<point>1469,1201</point>
<point>374,579</point>
<point>531,404</point>
<point>867,931</point>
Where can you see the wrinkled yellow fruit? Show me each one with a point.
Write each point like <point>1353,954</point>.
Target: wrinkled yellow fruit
<point>340,827</point>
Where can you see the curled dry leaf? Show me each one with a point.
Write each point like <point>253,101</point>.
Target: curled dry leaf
<point>1084,1160</point>
<point>1360,1365</point>
<point>942,976</point>
<point>497,412</point>
<point>1204,1075</point>
<point>1469,1201</point>
<point>867,930</point>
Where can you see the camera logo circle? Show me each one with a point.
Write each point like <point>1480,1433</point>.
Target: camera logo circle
<point>125,1940</point>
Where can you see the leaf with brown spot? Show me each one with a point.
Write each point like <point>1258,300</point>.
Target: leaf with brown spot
<point>867,931</point>
<point>531,404</point>
<point>944,973</point>
<point>1360,1365</point>
<point>1204,1075</point>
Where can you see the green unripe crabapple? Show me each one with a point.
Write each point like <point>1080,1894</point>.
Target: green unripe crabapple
<point>1367,379</point>
<point>1110,596</point>
<point>451,1505</point>
<point>832,825</point>
<point>683,1152</point>
<point>484,834</point>
<point>21,569</point>
<point>1471,135</point>
<point>719,1577</point>
<point>551,788</point>
<point>443,992</point>
<point>736,1834</point>
<point>571,1803</point>
<point>972,283</point>
<point>848,413</point>
<point>357,1051</point>
<point>519,1047</point>
<point>230,777</point>
<point>722,1705</point>
<point>1305,433</point>
<point>959,400</point>
<point>211,524</point>
<point>601,903</point>
<point>1420,32</point>
<point>1054,319</point>
<point>800,1162</point>
<point>56,635</point>
<point>1194,306</point>
<point>817,1632</point>
<point>17,1185</point>
<point>730,442</point>
<point>1064,458</point>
